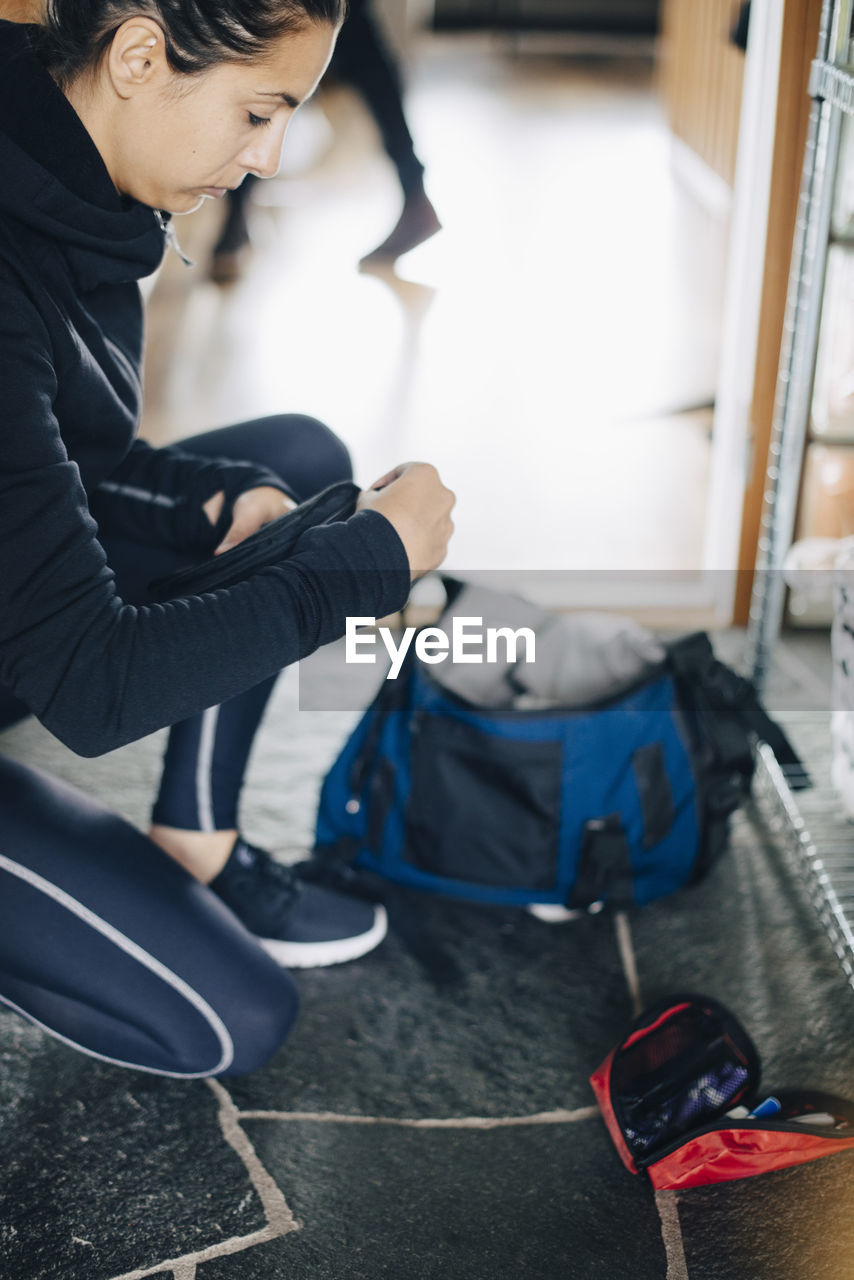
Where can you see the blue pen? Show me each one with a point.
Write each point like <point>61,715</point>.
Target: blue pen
<point>768,1107</point>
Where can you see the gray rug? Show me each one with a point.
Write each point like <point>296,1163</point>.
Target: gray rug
<point>430,1125</point>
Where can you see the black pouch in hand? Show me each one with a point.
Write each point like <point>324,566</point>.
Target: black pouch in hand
<point>269,545</point>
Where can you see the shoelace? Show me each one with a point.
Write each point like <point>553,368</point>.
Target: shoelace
<point>264,879</point>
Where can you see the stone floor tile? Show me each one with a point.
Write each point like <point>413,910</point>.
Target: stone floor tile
<point>542,1202</point>
<point>106,1170</point>
<point>513,1019</point>
<point>782,1226</point>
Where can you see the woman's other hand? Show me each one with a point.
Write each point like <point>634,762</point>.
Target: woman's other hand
<point>419,506</point>
<point>252,509</point>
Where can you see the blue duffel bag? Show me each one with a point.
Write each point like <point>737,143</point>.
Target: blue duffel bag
<point>621,801</point>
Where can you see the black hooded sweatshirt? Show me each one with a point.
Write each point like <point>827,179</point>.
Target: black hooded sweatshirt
<point>96,671</point>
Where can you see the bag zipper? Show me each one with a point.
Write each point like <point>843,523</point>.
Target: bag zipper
<point>767,1125</point>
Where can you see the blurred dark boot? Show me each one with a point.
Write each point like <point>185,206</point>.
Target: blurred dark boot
<point>417,223</point>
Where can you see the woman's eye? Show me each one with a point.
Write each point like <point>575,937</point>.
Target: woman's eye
<point>258,121</point>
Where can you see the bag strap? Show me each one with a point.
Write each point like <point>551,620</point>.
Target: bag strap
<point>729,696</point>
<point>604,865</point>
<point>338,861</point>
<point>393,696</point>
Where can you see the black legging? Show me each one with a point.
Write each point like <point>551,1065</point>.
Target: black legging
<point>362,60</point>
<point>105,941</point>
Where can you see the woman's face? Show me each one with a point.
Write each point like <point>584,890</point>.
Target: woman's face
<point>169,140</point>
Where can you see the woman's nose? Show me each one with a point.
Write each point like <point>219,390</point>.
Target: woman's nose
<point>264,156</point>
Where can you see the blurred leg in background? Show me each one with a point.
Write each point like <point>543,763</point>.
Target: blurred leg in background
<point>363,61</point>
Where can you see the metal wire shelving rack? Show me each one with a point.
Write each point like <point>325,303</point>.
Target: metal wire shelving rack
<point>819,839</point>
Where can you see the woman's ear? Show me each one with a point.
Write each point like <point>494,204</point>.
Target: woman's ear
<point>137,56</point>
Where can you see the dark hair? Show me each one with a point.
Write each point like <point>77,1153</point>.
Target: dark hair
<point>198,33</point>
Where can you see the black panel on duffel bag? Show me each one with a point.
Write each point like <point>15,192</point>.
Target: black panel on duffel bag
<point>483,809</point>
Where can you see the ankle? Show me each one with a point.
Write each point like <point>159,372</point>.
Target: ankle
<point>202,853</point>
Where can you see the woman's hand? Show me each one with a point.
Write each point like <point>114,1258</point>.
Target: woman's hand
<point>252,509</point>
<point>419,506</point>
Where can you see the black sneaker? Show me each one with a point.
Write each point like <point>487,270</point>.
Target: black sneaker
<point>302,926</point>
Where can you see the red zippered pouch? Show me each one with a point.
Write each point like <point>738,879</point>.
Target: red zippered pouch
<point>667,1092</point>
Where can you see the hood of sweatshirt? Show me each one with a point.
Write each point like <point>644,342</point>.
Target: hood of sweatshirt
<point>55,183</point>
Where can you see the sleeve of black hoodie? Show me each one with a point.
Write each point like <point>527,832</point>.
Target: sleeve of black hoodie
<point>158,495</point>
<point>99,673</point>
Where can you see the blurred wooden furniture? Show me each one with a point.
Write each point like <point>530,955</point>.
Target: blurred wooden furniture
<point>701,79</point>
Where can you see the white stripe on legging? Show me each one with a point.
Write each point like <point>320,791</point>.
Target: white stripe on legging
<point>143,957</point>
<point>204,764</point>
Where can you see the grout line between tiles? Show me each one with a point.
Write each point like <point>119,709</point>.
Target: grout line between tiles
<point>280,1219</point>
<point>628,961</point>
<point>180,1267</point>
<point>671,1234</point>
<point>453,1122</point>
<point>665,1201</point>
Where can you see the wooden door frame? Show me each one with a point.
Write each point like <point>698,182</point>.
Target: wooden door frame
<point>797,50</point>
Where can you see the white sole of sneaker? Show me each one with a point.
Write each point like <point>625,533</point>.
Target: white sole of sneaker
<point>318,955</point>
<point>554,913</point>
